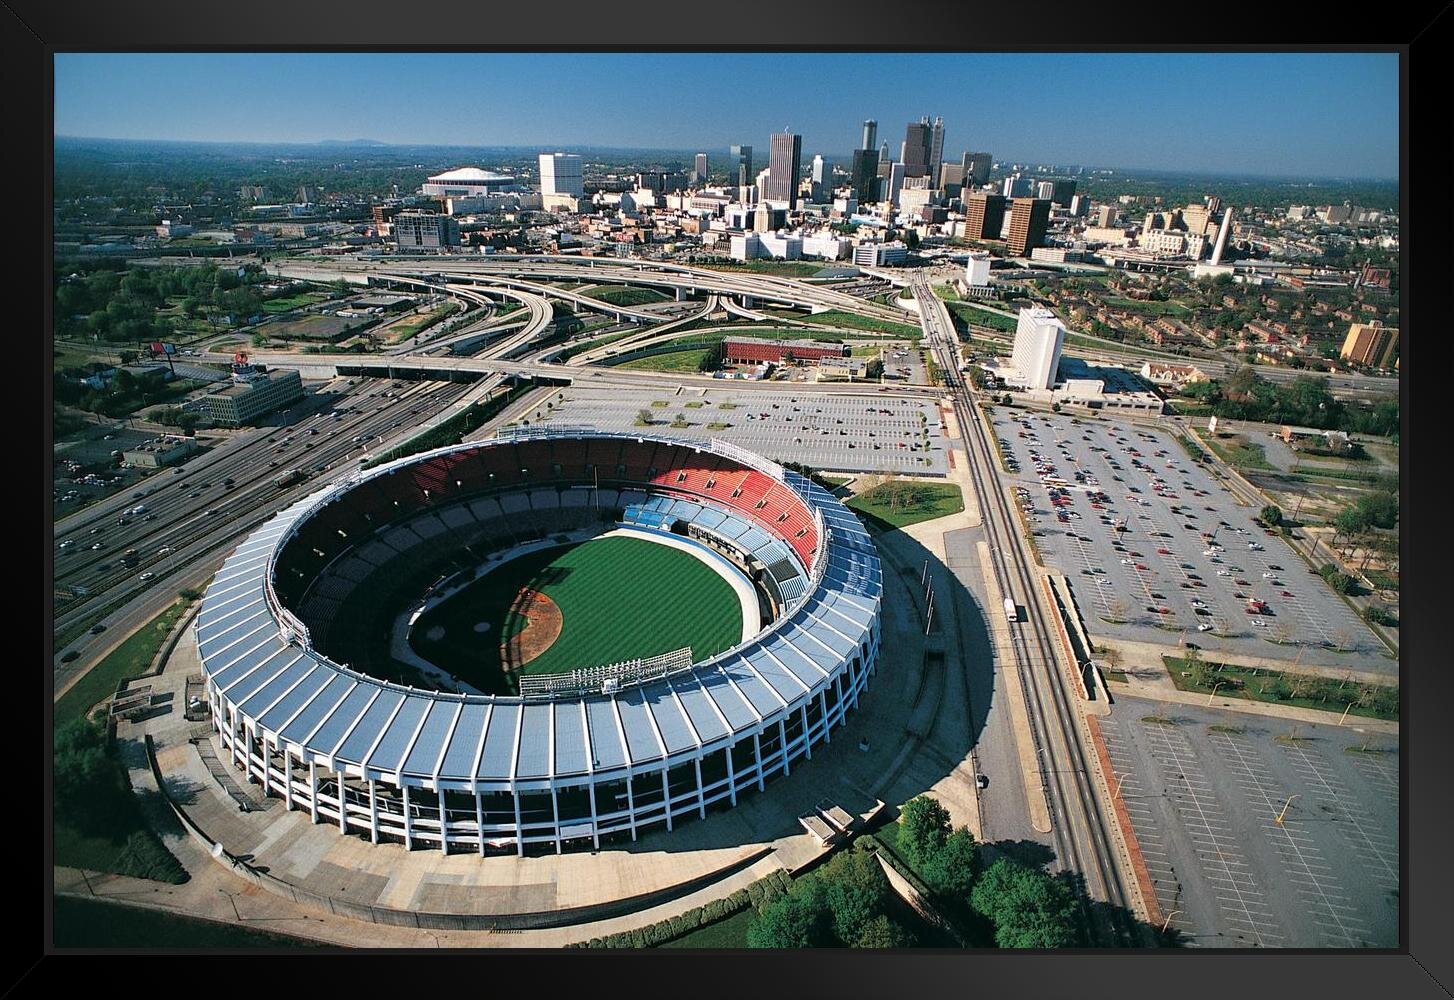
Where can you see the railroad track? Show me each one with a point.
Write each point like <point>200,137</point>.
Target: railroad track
<point>1079,825</point>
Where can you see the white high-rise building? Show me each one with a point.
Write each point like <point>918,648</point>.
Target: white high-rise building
<point>977,269</point>
<point>1039,337</point>
<point>894,185</point>
<point>560,173</point>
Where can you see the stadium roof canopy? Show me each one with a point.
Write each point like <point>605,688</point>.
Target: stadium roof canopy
<point>470,175</point>
<point>387,731</point>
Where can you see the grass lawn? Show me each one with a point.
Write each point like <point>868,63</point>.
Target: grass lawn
<point>275,306</point>
<point>901,503</point>
<point>673,600</point>
<point>1308,474</point>
<point>1146,308</point>
<point>1380,578</point>
<point>404,329</point>
<point>973,314</point>
<point>95,923</point>
<point>591,345</point>
<point>309,327</point>
<point>946,292</point>
<point>67,356</point>
<point>1257,684</point>
<point>728,933</point>
<point>835,317</point>
<point>781,268</point>
<point>127,660</point>
<point>672,361</point>
<point>1237,450</point>
<point>625,295</point>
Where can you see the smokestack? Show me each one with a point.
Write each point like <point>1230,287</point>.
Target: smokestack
<point>1222,237</point>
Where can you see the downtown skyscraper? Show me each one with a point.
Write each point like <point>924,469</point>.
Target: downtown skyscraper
<point>784,164</point>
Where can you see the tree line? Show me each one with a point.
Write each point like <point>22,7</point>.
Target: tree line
<point>1306,401</point>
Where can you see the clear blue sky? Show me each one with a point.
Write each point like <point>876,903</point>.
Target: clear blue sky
<point>1316,115</point>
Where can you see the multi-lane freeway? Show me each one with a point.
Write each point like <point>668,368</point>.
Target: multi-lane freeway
<point>192,514</point>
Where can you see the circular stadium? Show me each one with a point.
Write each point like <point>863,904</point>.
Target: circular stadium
<point>553,639</point>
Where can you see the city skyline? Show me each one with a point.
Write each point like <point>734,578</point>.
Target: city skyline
<point>1335,114</point>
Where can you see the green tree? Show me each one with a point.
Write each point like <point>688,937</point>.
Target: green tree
<point>855,890</point>
<point>874,369</point>
<point>924,826</point>
<point>1272,515</point>
<point>1351,520</point>
<point>1029,908</point>
<point>82,770</point>
<point>799,919</point>
<point>1379,509</point>
<point>882,932</point>
<point>714,358</point>
<point>952,869</point>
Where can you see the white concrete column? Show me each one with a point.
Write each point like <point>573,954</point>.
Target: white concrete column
<point>630,807</point>
<point>267,766</point>
<point>408,822</point>
<point>782,735</point>
<point>443,824</point>
<point>807,736</point>
<point>731,776</point>
<point>288,779</point>
<point>757,752</point>
<point>519,833</point>
<point>666,795</point>
<point>247,764</point>
<point>342,805</point>
<point>313,791</point>
<point>595,823</point>
<point>555,815</point>
<point>480,820</point>
<point>823,711</point>
<point>701,794</point>
<point>373,811</point>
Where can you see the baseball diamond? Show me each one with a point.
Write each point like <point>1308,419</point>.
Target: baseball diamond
<point>288,636</point>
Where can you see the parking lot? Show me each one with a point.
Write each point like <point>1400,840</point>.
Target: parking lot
<point>1156,549</point>
<point>869,433</point>
<point>1260,833</point>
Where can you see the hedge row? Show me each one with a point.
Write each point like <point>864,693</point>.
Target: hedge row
<point>756,895</point>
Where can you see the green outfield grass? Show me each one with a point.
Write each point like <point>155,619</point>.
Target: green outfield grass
<point>619,598</point>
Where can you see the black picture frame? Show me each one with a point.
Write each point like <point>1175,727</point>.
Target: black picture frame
<point>1423,965</point>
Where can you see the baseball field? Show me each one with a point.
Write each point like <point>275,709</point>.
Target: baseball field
<point>597,602</point>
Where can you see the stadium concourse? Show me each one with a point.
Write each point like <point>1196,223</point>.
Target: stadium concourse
<point>596,753</point>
